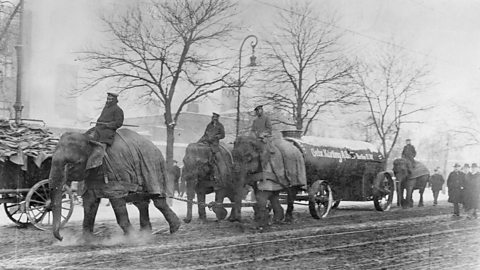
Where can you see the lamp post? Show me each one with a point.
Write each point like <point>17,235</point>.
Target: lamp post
<point>251,64</point>
<point>18,107</point>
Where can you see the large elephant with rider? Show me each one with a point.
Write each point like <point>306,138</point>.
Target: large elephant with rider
<point>410,178</point>
<point>131,169</point>
<point>205,172</point>
<point>270,169</point>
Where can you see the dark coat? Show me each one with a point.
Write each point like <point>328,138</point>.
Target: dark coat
<point>262,126</point>
<point>436,181</point>
<point>109,121</point>
<point>409,152</point>
<point>213,133</point>
<point>472,191</point>
<point>455,184</point>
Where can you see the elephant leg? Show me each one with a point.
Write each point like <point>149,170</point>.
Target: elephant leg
<point>278,212</point>
<point>235,213</point>
<point>261,205</point>
<point>142,206</point>
<point>90,209</point>
<point>170,216</point>
<point>409,198</point>
<point>420,202</point>
<point>202,214</point>
<point>119,206</point>
<point>219,210</point>
<point>292,193</point>
<point>190,197</point>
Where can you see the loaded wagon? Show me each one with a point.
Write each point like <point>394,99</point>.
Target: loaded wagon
<point>25,161</point>
<point>341,170</point>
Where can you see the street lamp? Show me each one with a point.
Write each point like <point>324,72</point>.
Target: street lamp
<point>252,64</point>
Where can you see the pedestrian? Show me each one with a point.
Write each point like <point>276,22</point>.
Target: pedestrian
<point>176,177</point>
<point>109,121</point>
<point>436,183</point>
<point>471,192</point>
<point>409,152</point>
<point>455,184</point>
<point>466,169</point>
<point>183,184</point>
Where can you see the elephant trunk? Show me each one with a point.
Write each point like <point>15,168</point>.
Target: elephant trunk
<point>57,181</point>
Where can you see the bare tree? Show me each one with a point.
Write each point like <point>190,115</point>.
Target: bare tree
<point>162,46</point>
<point>305,70</point>
<point>390,87</point>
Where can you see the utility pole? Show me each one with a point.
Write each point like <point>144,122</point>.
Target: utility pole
<point>18,106</point>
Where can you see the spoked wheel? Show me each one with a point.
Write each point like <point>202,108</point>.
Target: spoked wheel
<point>39,205</point>
<point>16,212</point>
<point>320,199</point>
<point>386,188</point>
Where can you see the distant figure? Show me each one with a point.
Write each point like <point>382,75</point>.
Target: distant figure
<point>183,185</point>
<point>466,169</point>
<point>409,152</point>
<point>176,177</point>
<point>455,184</point>
<point>471,192</point>
<point>436,182</point>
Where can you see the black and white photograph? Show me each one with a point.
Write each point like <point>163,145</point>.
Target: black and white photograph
<point>239,134</point>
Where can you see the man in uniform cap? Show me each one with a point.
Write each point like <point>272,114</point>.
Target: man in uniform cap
<point>109,121</point>
<point>261,126</point>
<point>212,136</point>
<point>409,152</point>
<point>262,130</point>
<point>213,133</point>
<point>455,184</point>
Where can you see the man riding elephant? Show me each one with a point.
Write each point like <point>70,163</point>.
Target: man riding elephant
<point>108,122</point>
<point>214,132</point>
<point>409,152</point>
<point>262,130</point>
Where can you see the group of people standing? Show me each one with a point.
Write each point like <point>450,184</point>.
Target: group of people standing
<point>464,188</point>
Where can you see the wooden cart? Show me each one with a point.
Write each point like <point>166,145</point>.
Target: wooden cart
<point>24,184</point>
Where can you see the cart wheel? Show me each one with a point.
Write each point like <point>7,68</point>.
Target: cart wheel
<point>39,208</point>
<point>384,202</point>
<point>16,212</point>
<point>320,199</point>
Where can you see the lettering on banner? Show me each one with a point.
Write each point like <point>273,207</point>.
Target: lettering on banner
<point>340,154</point>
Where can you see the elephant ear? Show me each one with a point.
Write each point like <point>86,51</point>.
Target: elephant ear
<point>96,157</point>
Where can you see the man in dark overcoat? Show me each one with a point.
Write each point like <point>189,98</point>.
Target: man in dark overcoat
<point>455,184</point>
<point>409,152</point>
<point>214,132</point>
<point>436,183</point>
<point>176,177</point>
<point>109,121</point>
<point>471,192</point>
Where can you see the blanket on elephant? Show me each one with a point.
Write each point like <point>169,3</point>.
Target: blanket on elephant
<point>133,164</point>
<point>419,170</point>
<point>287,165</point>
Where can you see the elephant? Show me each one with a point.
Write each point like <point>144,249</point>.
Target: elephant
<point>409,179</point>
<point>203,174</point>
<point>283,171</point>
<point>131,169</point>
